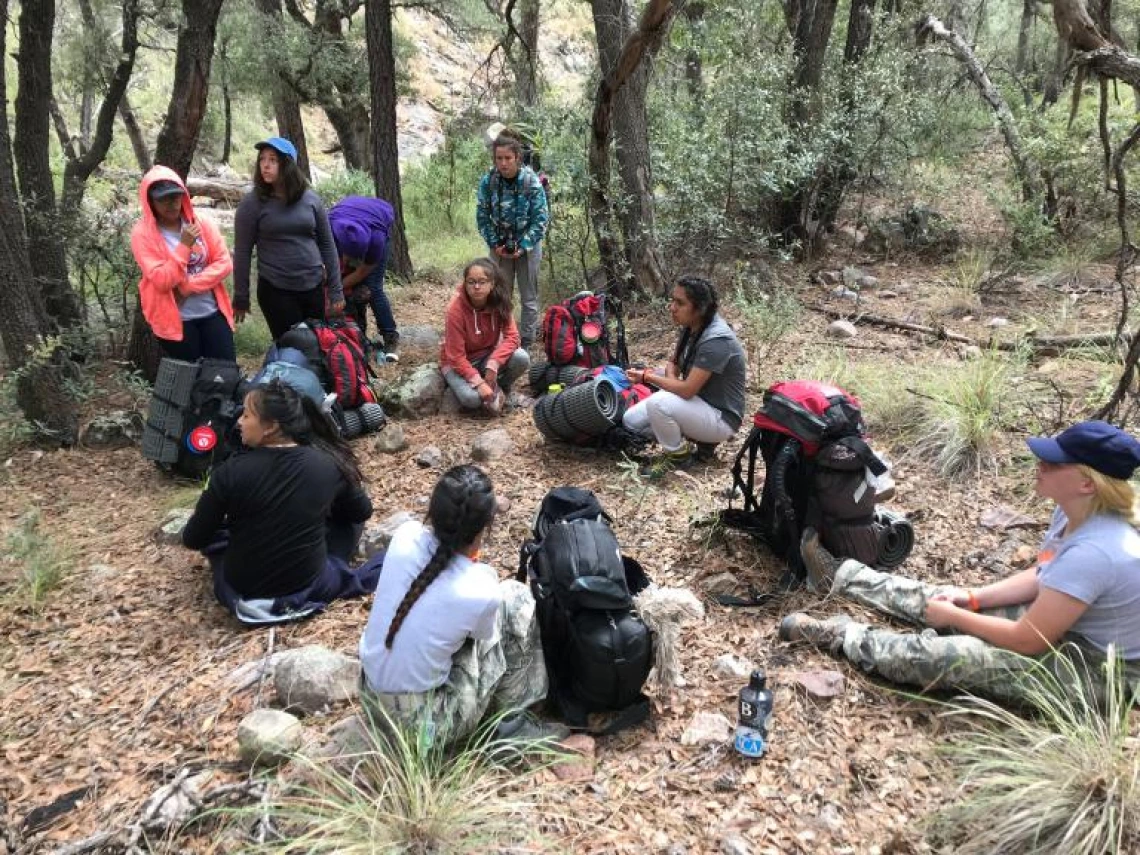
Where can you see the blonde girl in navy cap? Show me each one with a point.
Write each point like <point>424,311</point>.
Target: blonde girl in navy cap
<point>298,269</point>
<point>1080,598</point>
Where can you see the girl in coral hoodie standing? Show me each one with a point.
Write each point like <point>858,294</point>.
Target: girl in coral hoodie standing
<point>184,264</point>
<point>480,356</point>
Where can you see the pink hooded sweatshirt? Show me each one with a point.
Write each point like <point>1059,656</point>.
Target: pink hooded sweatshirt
<point>164,276</point>
<point>470,334</point>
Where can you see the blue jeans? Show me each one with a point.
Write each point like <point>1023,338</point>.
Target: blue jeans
<point>381,308</point>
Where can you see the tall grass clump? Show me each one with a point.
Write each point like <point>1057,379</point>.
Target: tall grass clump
<point>768,316</point>
<point>42,563</point>
<point>1065,778</point>
<point>400,791</point>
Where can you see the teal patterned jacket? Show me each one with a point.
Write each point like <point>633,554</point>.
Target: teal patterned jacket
<point>509,211</point>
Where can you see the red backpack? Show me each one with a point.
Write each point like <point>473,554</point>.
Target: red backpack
<point>574,331</point>
<point>346,361</point>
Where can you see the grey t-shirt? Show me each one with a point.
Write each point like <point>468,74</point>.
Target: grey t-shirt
<point>295,247</point>
<point>1098,564</point>
<point>193,306</point>
<point>718,351</point>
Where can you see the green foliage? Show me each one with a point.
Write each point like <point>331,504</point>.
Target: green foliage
<point>42,564</point>
<point>344,182</point>
<point>251,337</point>
<point>400,792</point>
<point>1065,778</point>
<point>769,315</point>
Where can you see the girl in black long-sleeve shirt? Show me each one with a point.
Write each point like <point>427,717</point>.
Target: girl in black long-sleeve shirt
<point>280,521</point>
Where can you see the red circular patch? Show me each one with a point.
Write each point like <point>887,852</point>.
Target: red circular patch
<point>202,439</point>
<point>591,332</point>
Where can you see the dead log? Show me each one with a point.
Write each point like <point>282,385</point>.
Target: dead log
<point>1027,171</point>
<point>229,192</point>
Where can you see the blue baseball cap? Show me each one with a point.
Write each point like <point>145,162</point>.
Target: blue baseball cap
<point>1098,445</point>
<point>279,145</point>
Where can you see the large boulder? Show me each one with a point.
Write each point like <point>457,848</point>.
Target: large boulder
<point>491,445</point>
<point>268,737</point>
<point>415,395</point>
<point>310,678</point>
<point>377,535</point>
<point>116,429</point>
<point>170,530</point>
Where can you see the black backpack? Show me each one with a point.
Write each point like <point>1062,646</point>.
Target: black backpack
<point>811,439</point>
<point>191,423</point>
<point>598,651</point>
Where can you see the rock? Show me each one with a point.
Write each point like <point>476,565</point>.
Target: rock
<point>721,583</point>
<point>820,684</point>
<point>267,737</point>
<point>853,277</point>
<point>377,535</point>
<point>390,440</point>
<point>972,351</point>
<point>449,404</point>
<point>730,665</point>
<point>429,457</point>
<point>581,767</point>
<point>116,429</point>
<point>492,445</point>
<point>170,530</point>
<point>831,278</point>
<point>868,283</point>
<point>248,673</point>
<point>997,323</point>
<point>841,329</point>
<point>415,395</point>
<point>348,738</point>
<point>849,235</point>
<point>419,338</point>
<point>310,678</point>
<point>845,293</point>
<point>887,294</point>
<point>734,844</point>
<point>706,727</point>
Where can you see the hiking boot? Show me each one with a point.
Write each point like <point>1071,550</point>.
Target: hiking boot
<point>668,461</point>
<point>820,564</point>
<point>391,346</point>
<point>825,634</point>
<point>526,728</point>
<point>706,452</point>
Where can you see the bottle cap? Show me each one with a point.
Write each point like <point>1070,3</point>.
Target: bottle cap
<point>554,387</point>
<point>759,679</point>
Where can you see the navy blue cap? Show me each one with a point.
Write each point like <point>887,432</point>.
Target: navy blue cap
<point>1098,445</point>
<point>279,145</point>
<point>162,189</point>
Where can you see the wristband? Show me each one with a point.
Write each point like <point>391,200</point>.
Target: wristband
<point>972,601</point>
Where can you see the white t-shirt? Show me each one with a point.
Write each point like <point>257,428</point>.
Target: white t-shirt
<point>463,602</point>
<point>1098,564</point>
<point>193,306</point>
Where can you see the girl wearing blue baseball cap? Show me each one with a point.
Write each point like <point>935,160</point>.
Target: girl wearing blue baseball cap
<point>1080,598</point>
<point>298,268</point>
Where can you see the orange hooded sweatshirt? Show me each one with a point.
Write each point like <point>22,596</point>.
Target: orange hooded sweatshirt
<point>470,334</point>
<point>164,278</point>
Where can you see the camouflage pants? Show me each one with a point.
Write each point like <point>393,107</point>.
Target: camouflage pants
<point>505,672</point>
<point>932,661</point>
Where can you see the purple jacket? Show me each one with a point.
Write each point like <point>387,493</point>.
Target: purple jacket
<point>360,228</point>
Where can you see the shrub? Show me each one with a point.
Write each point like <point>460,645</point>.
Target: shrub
<point>1064,779</point>
<point>43,564</point>
<point>344,182</point>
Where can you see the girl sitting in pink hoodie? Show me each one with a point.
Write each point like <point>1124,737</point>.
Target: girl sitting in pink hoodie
<point>184,264</point>
<point>480,356</point>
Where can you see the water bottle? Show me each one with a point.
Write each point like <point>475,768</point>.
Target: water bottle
<point>754,708</point>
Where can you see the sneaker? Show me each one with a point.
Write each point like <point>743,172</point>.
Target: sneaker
<point>706,452</point>
<point>820,564</point>
<point>668,461</point>
<point>825,634</point>
<point>391,345</point>
<point>527,728</point>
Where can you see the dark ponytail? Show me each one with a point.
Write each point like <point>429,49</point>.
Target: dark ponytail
<point>462,505</point>
<point>702,295</point>
<point>303,422</point>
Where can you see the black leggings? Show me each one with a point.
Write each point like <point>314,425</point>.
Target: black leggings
<point>210,337</point>
<point>283,309</point>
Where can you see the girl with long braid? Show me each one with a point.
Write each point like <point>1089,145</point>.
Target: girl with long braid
<point>700,394</point>
<point>280,521</point>
<point>446,640</point>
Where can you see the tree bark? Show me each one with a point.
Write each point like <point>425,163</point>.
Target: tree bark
<point>1027,170</point>
<point>1024,31</point>
<point>385,146</point>
<point>286,106</point>
<point>642,43</point>
<point>227,105</point>
<point>24,320</point>
<point>694,66</point>
<point>46,239</point>
<point>613,26</point>
<point>134,134</point>
<point>178,139</point>
<point>521,48</point>
<point>352,126</point>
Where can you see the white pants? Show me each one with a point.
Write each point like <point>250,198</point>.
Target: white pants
<point>671,420</point>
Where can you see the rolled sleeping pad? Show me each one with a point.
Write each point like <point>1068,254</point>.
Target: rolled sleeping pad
<point>367,418</point>
<point>550,419</point>
<point>543,375</point>
<point>585,410</point>
<point>896,537</point>
<point>609,400</point>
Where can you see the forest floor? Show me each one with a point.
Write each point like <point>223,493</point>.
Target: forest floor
<point>120,681</point>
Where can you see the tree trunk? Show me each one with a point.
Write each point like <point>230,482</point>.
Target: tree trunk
<point>641,45</point>
<point>227,105</point>
<point>23,319</point>
<point>522,51</point>
<point>694,66</point>
<point>134,134</point>
<point>352,126</point>
<point>178,139</point>
<point>286,106</point>
<point>46,240</point>
<point>385,146</point>
<point>613,25</point>
<point>1024,32</point>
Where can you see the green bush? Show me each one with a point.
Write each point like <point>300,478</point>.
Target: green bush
<point>42,562</point>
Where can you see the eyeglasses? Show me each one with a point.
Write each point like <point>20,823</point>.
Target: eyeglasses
<point>478,283</point>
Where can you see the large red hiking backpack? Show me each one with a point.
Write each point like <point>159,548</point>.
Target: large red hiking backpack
<point>819,472</point>
<point>574,331</point>
<point>346,360</point>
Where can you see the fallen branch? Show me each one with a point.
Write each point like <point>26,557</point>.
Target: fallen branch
<point>219,191</point>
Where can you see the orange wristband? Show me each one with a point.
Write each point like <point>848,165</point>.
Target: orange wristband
<point>972,601</point>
